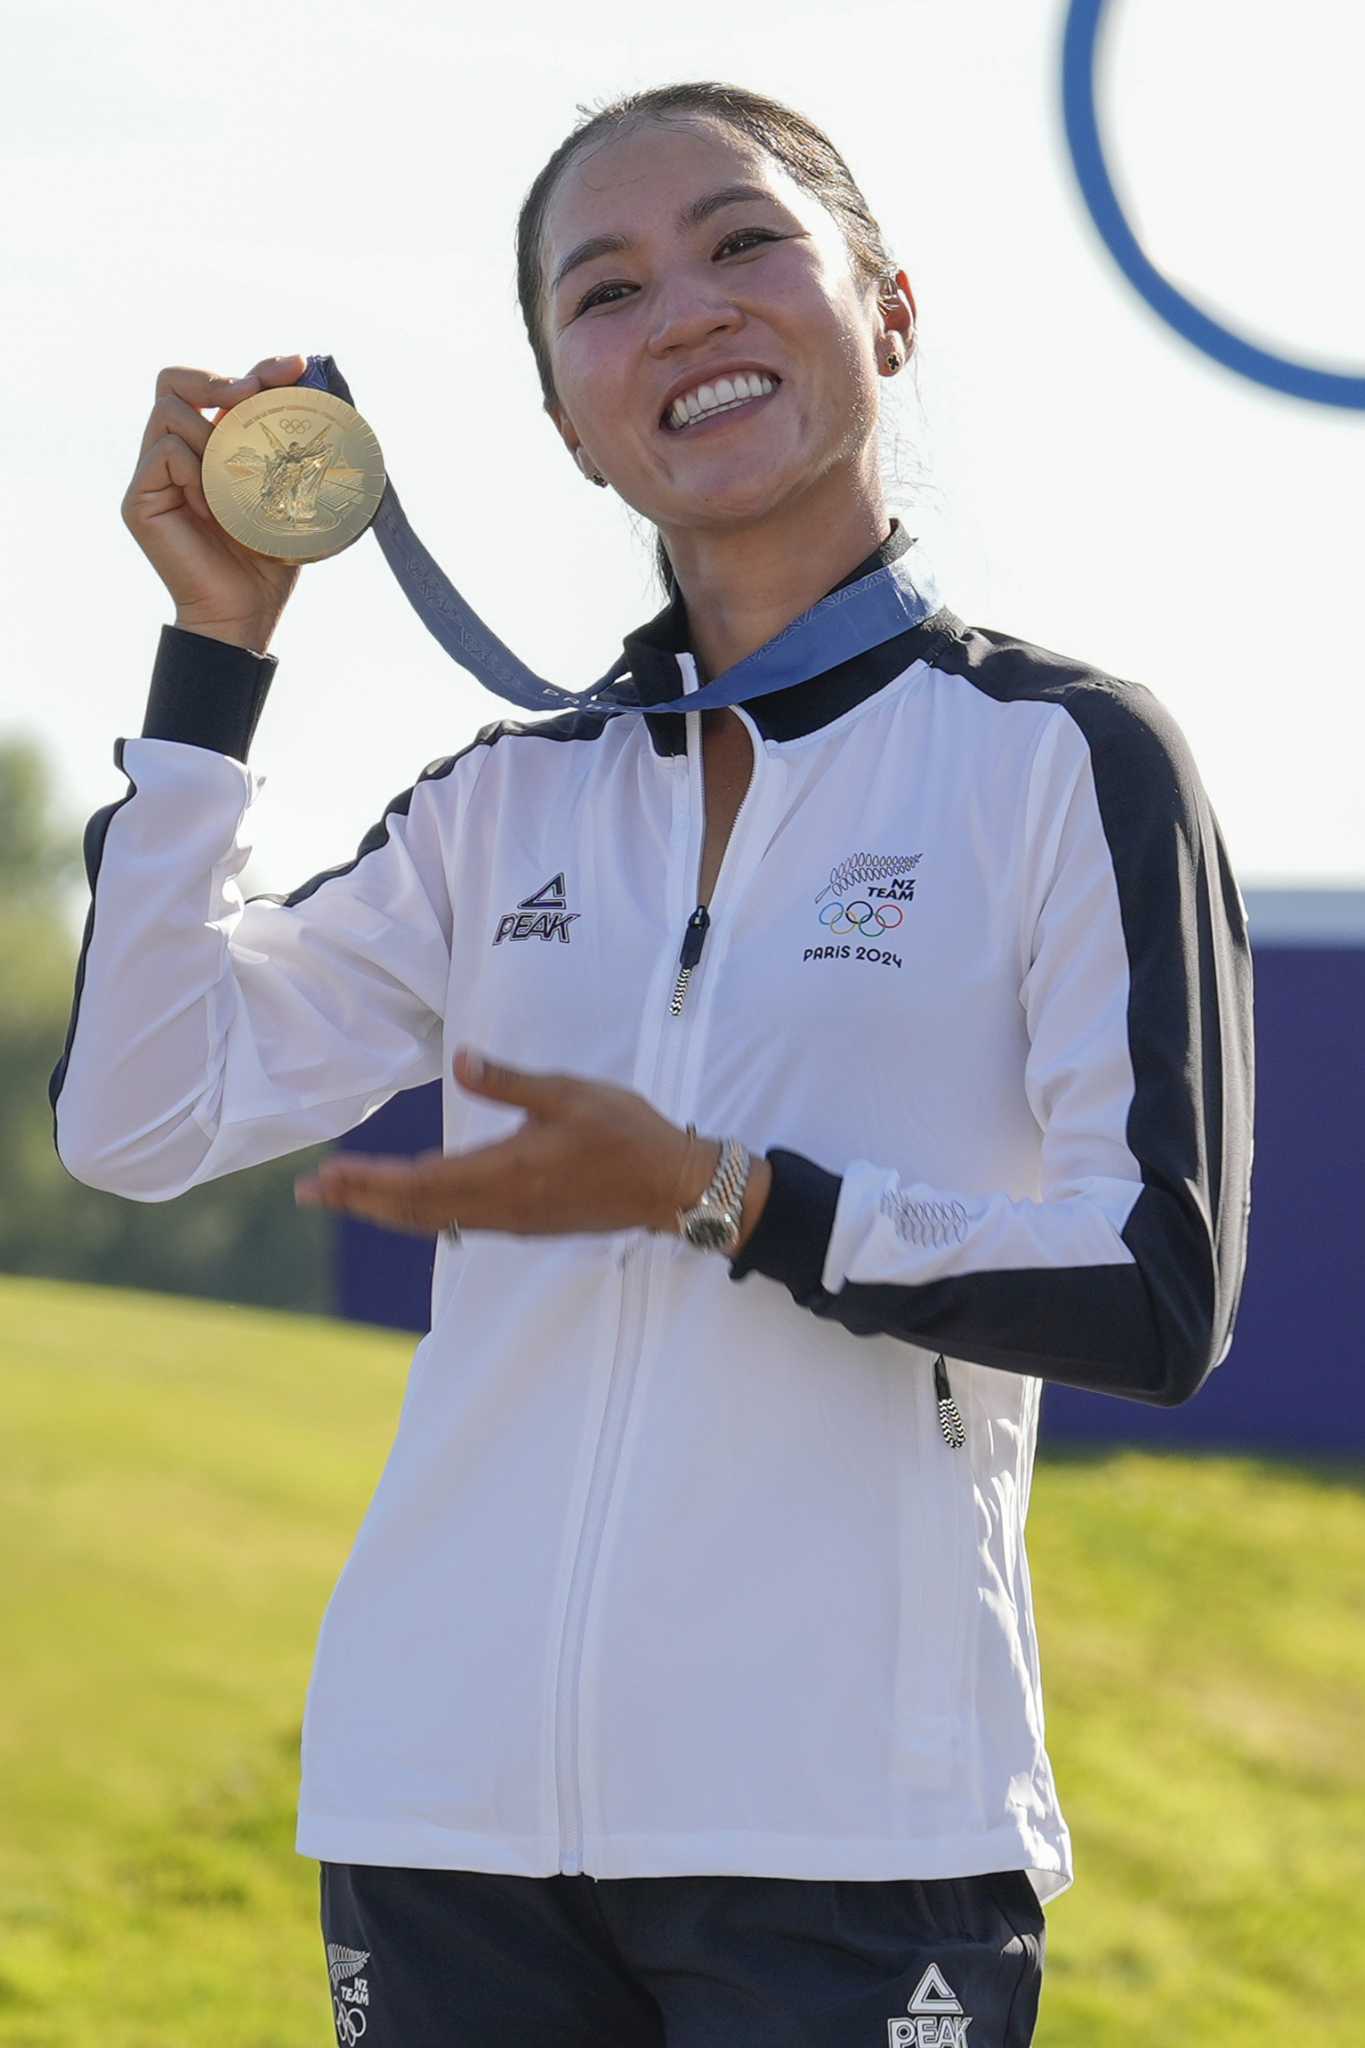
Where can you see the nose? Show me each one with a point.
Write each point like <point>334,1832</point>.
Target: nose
<point>688,318</point>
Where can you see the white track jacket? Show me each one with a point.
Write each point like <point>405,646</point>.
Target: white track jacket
<point>676,1564</point>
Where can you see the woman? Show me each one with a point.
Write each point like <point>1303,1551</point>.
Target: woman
<point>682,1686</point>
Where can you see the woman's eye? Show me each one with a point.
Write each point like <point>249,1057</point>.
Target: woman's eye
<point>595,297</point>
<point>745,234</point>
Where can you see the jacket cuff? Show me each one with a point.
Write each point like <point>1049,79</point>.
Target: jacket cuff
<point>205,692</point>
<point>790,1240</point>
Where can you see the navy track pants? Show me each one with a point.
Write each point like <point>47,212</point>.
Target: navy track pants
<point>475,1959</point>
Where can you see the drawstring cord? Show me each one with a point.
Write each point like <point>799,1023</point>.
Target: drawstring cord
<point>949,1418</point>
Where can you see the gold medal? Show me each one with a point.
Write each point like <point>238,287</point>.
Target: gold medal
<point>293,473</point>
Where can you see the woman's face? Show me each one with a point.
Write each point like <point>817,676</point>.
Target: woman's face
<point>763,280</point>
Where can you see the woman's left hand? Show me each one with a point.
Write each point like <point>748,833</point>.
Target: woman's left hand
<point>588,1156</point>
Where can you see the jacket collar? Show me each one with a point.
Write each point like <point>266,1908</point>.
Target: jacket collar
<point>652,651</point>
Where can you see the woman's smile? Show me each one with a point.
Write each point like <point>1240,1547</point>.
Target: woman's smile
<point>737,409</point>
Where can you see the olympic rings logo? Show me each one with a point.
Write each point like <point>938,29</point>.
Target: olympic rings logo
<point>1280,373</point>
<point>881,917</point>
<point>350,2022</point>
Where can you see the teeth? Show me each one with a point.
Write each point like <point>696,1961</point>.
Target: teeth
<point>725,391</point>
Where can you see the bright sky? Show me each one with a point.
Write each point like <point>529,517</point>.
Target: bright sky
<point>208,185</point>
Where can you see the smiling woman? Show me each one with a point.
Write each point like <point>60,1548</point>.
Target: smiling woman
<point>676,238</point>
<point>683,1684</point>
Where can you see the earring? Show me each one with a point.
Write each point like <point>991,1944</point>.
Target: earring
<point>893,362</point>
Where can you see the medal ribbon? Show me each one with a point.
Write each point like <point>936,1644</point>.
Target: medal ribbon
<point>847,622</point>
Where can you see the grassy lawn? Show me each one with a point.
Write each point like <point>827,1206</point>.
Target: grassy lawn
<point>180,1487</point>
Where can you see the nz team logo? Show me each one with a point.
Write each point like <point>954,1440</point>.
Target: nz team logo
<point>935,2016</point>
<point>350,1991</point>
<point>869,893</point>
<point>544,914</point>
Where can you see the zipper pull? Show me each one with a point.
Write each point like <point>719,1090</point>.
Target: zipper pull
<point>949,1419</point>
<point>694,938</point>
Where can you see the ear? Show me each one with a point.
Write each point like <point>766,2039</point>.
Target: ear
<point>563,426</point>
<point>583,461</point>
<point>896,303</point>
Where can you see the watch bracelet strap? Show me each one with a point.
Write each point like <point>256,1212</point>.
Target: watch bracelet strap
<point>727,1184</point>
<point>732,1171</point>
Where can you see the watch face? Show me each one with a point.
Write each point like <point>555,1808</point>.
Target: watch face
<point>711,1233</point>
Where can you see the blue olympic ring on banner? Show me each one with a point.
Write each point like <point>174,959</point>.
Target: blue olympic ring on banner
<point>881,913</point>
<point>1280,373</point>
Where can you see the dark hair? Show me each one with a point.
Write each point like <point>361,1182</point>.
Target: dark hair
<point>804,151</point>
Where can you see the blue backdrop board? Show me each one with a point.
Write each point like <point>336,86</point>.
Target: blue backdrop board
<point>1294,1380</point>
<point>384,1276</point>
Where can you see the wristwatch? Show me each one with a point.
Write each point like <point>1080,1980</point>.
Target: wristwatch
<point>712,1224</point>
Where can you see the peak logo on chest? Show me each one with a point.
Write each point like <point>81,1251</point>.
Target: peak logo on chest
<point>544,914</point>
<point>869,892</point>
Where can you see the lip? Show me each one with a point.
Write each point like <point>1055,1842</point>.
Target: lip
<point>711,376</point>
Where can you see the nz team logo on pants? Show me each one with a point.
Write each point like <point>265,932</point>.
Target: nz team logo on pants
<point>350,1991</point>
<point>937,2019</point>
<point>545,914</point>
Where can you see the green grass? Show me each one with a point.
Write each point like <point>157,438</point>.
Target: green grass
<point>181,1483</point>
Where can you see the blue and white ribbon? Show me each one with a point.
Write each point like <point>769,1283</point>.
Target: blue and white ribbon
<point>845,623</point>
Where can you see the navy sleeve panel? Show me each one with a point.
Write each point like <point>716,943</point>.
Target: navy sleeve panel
<point>792,1234</point>
<point>206,693</point>
<point>1151,1322</point>
<point>92,847</point>
<point>1086,1326</point>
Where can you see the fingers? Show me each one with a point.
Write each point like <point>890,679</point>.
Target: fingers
<point>174,415</point>
<point>268,374</point>
<point>548,1093</point>
<point>205,387</point>
<point>419,1193</point>
<point>404,1194</point>
<point>209,387</point>
<point>165,466</point>
<point>273,370</point>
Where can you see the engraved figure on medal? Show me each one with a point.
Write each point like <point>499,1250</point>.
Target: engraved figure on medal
<point>294,477</point>
<point>300,477</point>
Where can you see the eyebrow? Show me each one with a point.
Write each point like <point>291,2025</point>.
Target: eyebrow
<point>690,216</point>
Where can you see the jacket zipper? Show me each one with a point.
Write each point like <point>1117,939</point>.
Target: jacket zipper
<point>633,1318</point>
<point>949,1417</point>
<point>697,926</point>
<point>694,938</point>
<point>590,1543</point>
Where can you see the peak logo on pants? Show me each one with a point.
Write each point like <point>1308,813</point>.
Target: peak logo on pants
<point>940,2021</point>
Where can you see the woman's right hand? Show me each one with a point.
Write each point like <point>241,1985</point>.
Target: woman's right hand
<point>220,588</point>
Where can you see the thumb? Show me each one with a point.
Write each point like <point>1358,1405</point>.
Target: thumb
<point>489,1077</point>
